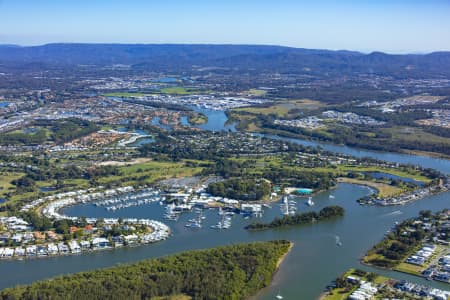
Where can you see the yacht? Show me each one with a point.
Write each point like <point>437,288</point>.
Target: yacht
<point>310,202</point>
<point>171,217</point>
<point>224,223</point>
<point>195,224</point>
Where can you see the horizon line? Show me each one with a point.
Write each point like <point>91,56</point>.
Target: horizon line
<point>405,52</point>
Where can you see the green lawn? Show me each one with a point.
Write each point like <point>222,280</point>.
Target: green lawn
<point>412,134</point>
<point>178,90</point>
<point>255,92</point>
<point>409,268</point>
<point>278,110</point>
<point>339,294</point>
<point>198,119</point>
<point>150,172</point>
<point>384,190</point>
<point>5,181</point>
<point>413,174</point>
<point>124,94</point>
<point>175,297</point>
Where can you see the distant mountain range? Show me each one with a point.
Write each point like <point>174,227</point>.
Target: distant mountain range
<point>234,57</point>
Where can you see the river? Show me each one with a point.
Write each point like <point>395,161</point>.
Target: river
<point>314,261</point>
<point>217,120</point>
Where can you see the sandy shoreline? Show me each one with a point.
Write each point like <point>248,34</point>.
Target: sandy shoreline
<point>281,259</point>
<point>279,262</point>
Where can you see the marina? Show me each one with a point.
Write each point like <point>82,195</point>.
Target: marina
<point>288,207</point>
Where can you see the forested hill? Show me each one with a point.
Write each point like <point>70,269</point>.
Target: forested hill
<point>230,272</point>
<point>180,57</point>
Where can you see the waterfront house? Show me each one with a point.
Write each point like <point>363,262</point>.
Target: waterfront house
<point>74,247</point>
<point>19,251</point>
<point>100,243</point>
<point>63,248</point>
<point>353,279</point>
<point>4,238</point>
<point>28,237</point>
<point>19,227</point>
<point>131,239</point>
<point>41,251</point>
<point>443,276</point>
<point>52,249</point>
<point>8,252</point>
<point>85,245</point>
<point>117,241</point>
<point>31,250</point>
<point>17,238</point>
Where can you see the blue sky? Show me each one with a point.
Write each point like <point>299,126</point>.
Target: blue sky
<point>395,26</point>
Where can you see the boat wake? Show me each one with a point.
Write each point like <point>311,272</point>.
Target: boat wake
<point>393,213</point>
<point>338,241</point>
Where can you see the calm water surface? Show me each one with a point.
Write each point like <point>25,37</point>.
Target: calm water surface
<point>217,120</point>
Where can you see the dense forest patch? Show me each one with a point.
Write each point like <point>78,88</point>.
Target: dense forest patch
<point>230,272</point>
<point>325,213</point>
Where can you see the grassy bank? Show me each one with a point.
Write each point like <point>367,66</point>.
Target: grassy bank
<point>197,119</point>
<point>150,172</point>
<point>384,190</point>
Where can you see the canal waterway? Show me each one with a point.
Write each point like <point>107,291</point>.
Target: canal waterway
<point>314,261</point>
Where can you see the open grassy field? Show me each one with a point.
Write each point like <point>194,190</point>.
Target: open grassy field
<point>281,109</point>
<point>338,294</point>
<point>305,104</point>
<point>6,186</point>
<point>175,90</point>
<point>197,119</point>
<point>277,110</point>
<point>178,90</point>
<point>174,297</point>
<point>139,160</point>
<point>413,174</point>
<point>412,134</point>
<point>384,190</point>
<point>124,94</point>
<point>5,182</point>
<point>78,183</point>
<point>409,268</point>
<point>339,170</point>
<point>255,92</point>
<point>150,172</point>
<point>247,117</point>
<point>342,169</point>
